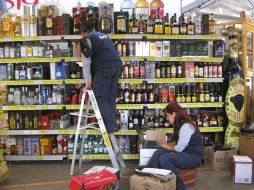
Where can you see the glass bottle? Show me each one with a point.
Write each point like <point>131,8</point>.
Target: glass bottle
<point>12,50</point>
<point>212,93</point>
<point>127,5</point>
<point>121,25</point>
<point>141,25</point>
<point>77,20</point>
<point>132,95</point>
<point>183,26</point>
<point>150,93</point>
<point>183,94</point>
<point>130,121</point>
<point>142,8</point>
<point>106,22</point>
<point>25,21</point>
<point>201,93</point>
<point>207,93</point>
<point>175,26</point>
<point>154,11</point>
<point>8,25</point>
<point>57,52</point>
<point>33,20</point>
<point>190,26</point>
<point>49,23</point>
<point>212,25</point>
<point>167,26</point>
<point>158,25</point>
<point>91,18</point>
<point>17,29</point>
<point>132,20</point>
<point>188,94</point>
<point>10,97</point>
<point>173,71</point>
<point>178,95</point>
<point>149,26</point>
<point>194,97</point>
<point>134,28</point>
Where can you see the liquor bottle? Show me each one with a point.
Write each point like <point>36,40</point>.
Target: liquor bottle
<point>151,94</point>
<point>183,93</point>
<point>138,98</point>
<point>179,71</point>
<point>25,21</point>
<point>175,26</point>
<point>198,24</point>
<point>8,25</point>
<point>127,5</point>
<point>119,48</point>
<point>135,119</point>
<point>132,19</point>
<point>77,20</point>
<point>188,93</point>
<point>132,95</point>
<point>90,17</point>
<point>168,70</point>
<point>106,22</point>
<point>33,20</point>
<point>49,24</point>
<point>134,28</point>
<point>144,93</point>
<point>212,27</point>
<point>190,26</point>
<point>206,71</point>
<point>17,29</point>
<point>125,70</point>
<point>201,71</point>
<point>201,93</point>
<point>182,25</point>
<point>126,94</point>
<point>199,121</point>
<point>213,121</point>
<point>124,48</point>
<point>218,90</point>
<point>158,25</point>
<point>194,96</point>
<point>141,25</point>
<point>142,70</point>
<point>215,70</point>
<point>167,26</point>
<point>12,121</point>
<point>173,71</point>
<point>157,70</point>
<point>178,95</point>
<point>121,25</point>
<point>156,121</point>
<point>41,25</point>
<point>154,11</point>
<point>206,122</point>
<point>136,70</point>
<point>142,8</point>
<point>1,29</point>
<point>162,70</point>
<point>130,121</point>
<point>131,71</point>
<point>207,93</point>
<point>196,70</point>
<point>149,26</point>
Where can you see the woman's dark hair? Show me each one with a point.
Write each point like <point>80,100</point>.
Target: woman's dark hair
<point>181,118</point>
<point>86,26</point>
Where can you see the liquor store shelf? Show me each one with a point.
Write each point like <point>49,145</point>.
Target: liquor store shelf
<point>178,59</point>
<point>71,131</point>
<point>40,60</point>
<point>61,157</point>
<point>113,36</point>
<point>34,157</point>
<point>42,82</point>
<point>119,106</point>
<point>173,80</point>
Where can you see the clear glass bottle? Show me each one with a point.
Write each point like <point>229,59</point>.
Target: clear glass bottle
<point>105,22</point>
<point>127,5</point>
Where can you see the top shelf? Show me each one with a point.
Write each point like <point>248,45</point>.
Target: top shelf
<point>114,37</point>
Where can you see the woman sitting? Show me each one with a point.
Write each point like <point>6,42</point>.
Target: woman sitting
<point>185,151</point>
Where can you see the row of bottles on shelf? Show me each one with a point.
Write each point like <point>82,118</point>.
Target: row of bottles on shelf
<point>142,70</point>
<point>38,120</point>
<point>165,93</point>
<point>44,95</point>
<point>38,49</point>
<point>173,48</point>
<point>35,71</point>
<point>153,119</point>
<point>50,145</point>
<point>47,20</point>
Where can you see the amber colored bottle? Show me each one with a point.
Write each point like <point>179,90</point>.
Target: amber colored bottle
<point>142,8</point>
<point>154,5</point>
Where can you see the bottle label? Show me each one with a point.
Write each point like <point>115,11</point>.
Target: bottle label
<point>135,121</point>
<point>6,26</point>
<point>167,30</point>
<point>219,71</point>
<point>206,71</point>
<point>154,13</point>
<point>200,72</point>
<point>121,25</point>
<point>134,30</point>
<point>194,99</point>
<point>183,30</point>
<point>215,71</point>
<point>207,97</point>
<point>178,99</point>
<point>196,71</point>
<point>142,71</point>
<point>219,51</point>
<point>202,97</point>
<point>190,29</point>
<point>212,29</point>
<point>175,30</point>
<point>105,25</point>
<point>136,72</point>
<point>143,12</point>
<point>149,29</point>
<point>188,99</point>
<point>49,22</point>
<point>158,29</point>
<point>212,99</point>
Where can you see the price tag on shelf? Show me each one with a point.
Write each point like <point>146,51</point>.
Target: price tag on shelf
<point>204,37</point>
<point>157,106</point>
<point>126,132</point>
<point>190,105</point>
<point>52,82</point>
<point>129,106</point>
<point>4,132</point>
<point>59,107</point>
<point>72,107</point>
<point>39,158</point>
<point>36,38</point>
<point>167,130</point>
<point>43,132</point>
<point>137,81</point>
<point>131,157</point>
<point>189,59</point>
<point>66,132</point>
<point>200,80</point>
<point>2,39</point>
<point>140,59</point>
<point>123,81</point>
<point>73,81</point>
<point>179,59</point>
<point>167,59</point>
<point>217,60</point>
<point>151,58</point>
<point>93,132</point>
<point>44,107</point>
<point>119,36</point>
<point>18,39</point>
<point>214,37</point>
<point>125,58</point>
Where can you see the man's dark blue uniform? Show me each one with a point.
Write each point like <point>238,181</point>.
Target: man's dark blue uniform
<point>106,69</point>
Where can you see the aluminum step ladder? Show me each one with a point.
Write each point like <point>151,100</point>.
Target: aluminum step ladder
<point>109,139</point>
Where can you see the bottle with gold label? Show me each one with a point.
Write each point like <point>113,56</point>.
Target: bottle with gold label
<point>132,20</point>
<point>196,70</point>
<point>121,24</point>
<point>158,25</point>
<point>188,94</point>
<point>149,26</point>
<point>106,22</point>
<point>206,121</point>
<point>17,27</point>
<point>49,24</point>
<point>178,95</point>
<point>183,26</point>
<point>8,25</point>
<point>134,28</point>
<point>167,26</point>
<point>212,25</point>
<point>141,25</point>
<point>213,121</point>
<point>183,94</point>
<point>207,93</point>
<point>175,26</point>
<point>173,71</point>
<point>194,96</point>
<point>201,93</point>
<point>190,26</point>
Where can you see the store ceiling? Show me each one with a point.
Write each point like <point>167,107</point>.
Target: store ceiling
<point>223,10</point>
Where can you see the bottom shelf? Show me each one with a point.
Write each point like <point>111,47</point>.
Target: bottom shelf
<point>106,157</point>
<point>34,157</point>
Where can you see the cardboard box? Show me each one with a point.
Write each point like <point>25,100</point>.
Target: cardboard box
<point>96,181</point>
<point>219,160</point>
<point>146,49</point>
<point>143,183</point>
<point>188,177</point>
<point>166,48</point>
<point>145,155</point>
<point>159,49</point>
<point>241,170</point>
<point>152,135</point>
<point>35,143</point>
<point>27,146</point>
<point>139,49</point>
<point>246,145</point>
<point>45,145</point>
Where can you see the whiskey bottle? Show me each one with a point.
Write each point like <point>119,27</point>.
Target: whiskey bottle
<point>212,93</point>
<point>144,93</point>
<point>49,21</point>
<point>182,25</point>
<point>132,95</point>
<point>206,122</point>
<point>17,29</point>
<point>157,70</point>
<point>173,71</point>
<point>90,17</point>
<point>201,71</point>
<point>33,21</point>
<point>158,25</point>
<point>167,26</point>
<point>125,70</point>
<point>121,26</point>
<point>151,93</point>
<point>130,121</point>
<point>134,28</point>
<point>175,26</point>
<point>77,20</point>
<point>8,26</point>
<point>190,26</point>
<point>136,70</point>
<point>207,93</point>
<point>188,94</point>
<point>138,98</point>
<point>178,95</point>
<point>149,26</point>
<point>194,96</point>
<point>106,22</point>
<point>201,93</point>
<point>212,27</point>
<point>132,20</point>
<point>131,71</point>
<point>162,70</point>
<point>183,93</point>
<point>141,25</point>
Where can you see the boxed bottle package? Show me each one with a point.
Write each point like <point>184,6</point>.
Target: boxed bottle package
<point>45,145</point>
<point>146,49</point>
<point>95,181</point>
<point>153,49</point>
<point>246,145</point>
<point>139,49</point>
<point>27,146</point>
<point>189,69</point>
<point>219,159</point>
<point>143,182</point>
<point>35,143</point>
<point>159,47</point>
<point>166,48</point>
<point>241,170</point>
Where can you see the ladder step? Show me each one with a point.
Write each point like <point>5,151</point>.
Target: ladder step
<point>88,115</point>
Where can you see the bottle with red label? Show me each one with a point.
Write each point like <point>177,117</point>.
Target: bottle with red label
<point>154,5</point>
